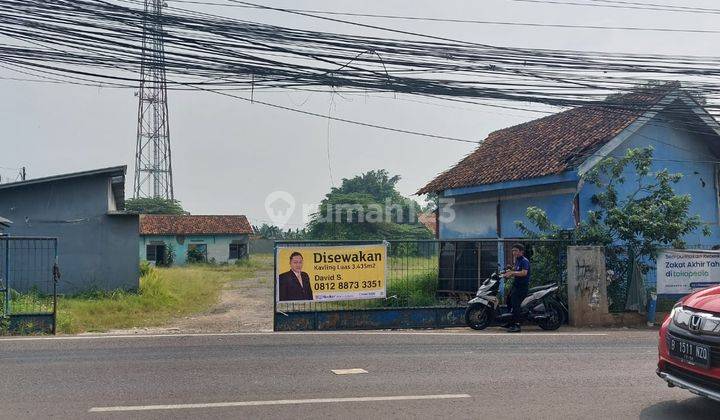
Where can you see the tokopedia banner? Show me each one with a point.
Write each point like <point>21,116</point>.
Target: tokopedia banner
<point>330,273</point>
<point>683,272</point>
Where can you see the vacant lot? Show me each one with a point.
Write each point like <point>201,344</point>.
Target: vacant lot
<point>230,298</point>
<point>171,298</point>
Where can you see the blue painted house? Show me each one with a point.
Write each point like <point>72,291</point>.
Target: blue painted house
<point>220,239</point>
<point>541,163</point>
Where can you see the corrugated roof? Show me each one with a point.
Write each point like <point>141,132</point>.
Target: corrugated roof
<point>548,145</point>
<point>161,224</point>
<point>111,171</point>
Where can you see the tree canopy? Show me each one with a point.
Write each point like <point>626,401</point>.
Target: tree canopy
<point>651,215</point>
<point>154,205</point>
<point>367,206</point>
<point>267,231</point>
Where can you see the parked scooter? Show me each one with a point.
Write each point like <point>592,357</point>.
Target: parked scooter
<point>541,306</point>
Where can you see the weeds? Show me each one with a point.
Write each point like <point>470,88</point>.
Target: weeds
<point>164,293</point>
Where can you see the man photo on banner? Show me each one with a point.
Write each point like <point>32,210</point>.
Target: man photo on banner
<point>294,284</point>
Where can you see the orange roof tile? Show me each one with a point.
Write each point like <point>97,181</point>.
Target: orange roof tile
<point>548,145</point>
<point>162,224</point>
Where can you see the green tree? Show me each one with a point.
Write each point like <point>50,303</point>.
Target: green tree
<point>431,203</point>
<point>274,232</point>
<point>632,226</point>
<point>154,205</point>
<point>368,206</point>
<point>268,231</point>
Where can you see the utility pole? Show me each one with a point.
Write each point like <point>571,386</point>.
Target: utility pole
<point>153,164</point>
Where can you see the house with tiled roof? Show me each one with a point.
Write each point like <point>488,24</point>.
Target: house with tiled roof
<point>429,220</point>
<point>179,239</point>
<point>541,163</point>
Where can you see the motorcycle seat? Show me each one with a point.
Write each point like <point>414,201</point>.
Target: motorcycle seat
<point>543,287</point>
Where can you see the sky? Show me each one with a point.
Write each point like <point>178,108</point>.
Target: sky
<point>229,155</point>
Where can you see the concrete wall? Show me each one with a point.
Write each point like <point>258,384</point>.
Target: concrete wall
<point>218,246</point>
<point>95,250</point>
<point>586,287</point>
<point>477,217</point>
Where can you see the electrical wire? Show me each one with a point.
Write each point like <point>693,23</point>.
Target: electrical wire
<point>96,42</point>
<point>468,21</point>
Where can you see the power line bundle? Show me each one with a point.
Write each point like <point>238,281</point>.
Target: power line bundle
<point>100,42</point>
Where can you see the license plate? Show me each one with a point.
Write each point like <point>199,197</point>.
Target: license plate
<point>690,352</point>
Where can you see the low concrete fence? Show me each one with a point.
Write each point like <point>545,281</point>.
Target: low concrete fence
<point>371,319</point>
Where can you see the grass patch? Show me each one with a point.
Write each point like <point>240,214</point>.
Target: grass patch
<point>413,290</point>
<point>29,303</point>
<point>165,293</point>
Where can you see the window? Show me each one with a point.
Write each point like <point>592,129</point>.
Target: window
<point>151,252</point>
<point>238,251</point>
<point>155,253</point>
<point>197,253</point>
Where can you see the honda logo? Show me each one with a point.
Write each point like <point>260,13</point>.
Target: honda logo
<point>695,323</point>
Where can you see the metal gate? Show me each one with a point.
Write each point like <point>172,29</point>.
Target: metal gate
<point>28,284</point>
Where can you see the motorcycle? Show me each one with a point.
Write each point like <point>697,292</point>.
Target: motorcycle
<point>541,306</point>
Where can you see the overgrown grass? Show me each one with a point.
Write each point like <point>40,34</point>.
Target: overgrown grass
<point>29,303</point>
<point>397,264</point>
<point>413,290</point>
<point>412,281</point>
<point>164,293</point>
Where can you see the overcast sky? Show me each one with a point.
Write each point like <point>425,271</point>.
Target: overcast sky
<point>228,155</point>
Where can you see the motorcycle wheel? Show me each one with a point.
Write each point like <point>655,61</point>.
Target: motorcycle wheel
<point>555,317</point>
<point>477,317</point>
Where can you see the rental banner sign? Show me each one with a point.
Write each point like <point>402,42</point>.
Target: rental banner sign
<point>330,273</point>
<point>683,272</point>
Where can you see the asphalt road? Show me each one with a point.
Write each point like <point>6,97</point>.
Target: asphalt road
<point>457,374</point>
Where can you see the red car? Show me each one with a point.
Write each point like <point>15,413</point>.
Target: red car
<point>689,346</point>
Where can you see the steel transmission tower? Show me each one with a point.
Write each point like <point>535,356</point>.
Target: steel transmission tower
<point>153,165</point>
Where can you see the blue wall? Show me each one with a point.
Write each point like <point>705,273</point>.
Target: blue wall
<point>675,148</point>
<point>218,246</point>
<point>472,220</point>
<point>557,206</point>
<point>95,250</point>
<point>479,219</point>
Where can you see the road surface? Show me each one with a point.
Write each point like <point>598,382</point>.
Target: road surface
<point>452,374</point>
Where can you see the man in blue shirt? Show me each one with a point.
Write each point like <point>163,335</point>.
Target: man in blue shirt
<point>521,283</point>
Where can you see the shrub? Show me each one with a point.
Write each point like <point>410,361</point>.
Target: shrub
<point>145,268</point>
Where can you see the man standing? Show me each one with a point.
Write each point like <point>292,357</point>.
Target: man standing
<point>294,284</point>
<point>521,272</point>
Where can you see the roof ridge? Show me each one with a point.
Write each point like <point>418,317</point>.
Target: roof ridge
<point>548,145</point>
<point>668,88</point>
<point>193,215</point>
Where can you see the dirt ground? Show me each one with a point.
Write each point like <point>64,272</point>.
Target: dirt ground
<point>244,306</point>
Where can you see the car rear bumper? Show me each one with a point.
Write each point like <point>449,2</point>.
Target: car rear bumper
<point>689,380</point>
